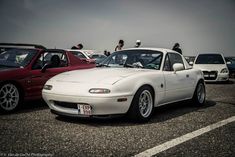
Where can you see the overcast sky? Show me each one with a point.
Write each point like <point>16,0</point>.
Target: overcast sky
<point>198,25</point>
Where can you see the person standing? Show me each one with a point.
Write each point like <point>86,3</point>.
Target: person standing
<point>138,43</point>
<point>78,47</point>
<point>177,48</point>
<point>120,45</point>
<point>105,52</point>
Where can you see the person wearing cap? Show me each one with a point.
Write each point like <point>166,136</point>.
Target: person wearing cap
<point>120,45</point>
<point>138,43</point>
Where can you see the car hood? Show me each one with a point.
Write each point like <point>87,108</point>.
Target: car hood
<point>210,67</point>
<point>97,75</point>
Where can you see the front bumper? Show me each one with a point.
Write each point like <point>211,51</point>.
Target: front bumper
<point>221,77</point>
<point>99,105</point>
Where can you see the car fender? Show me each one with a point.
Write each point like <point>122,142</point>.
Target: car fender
<point>132,83</point>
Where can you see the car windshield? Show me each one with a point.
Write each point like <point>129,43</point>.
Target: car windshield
<point>209,59</point>
<point>17,57</point>
<point>148,59</point>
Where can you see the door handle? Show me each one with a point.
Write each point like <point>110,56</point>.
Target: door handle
<point>187,75</point>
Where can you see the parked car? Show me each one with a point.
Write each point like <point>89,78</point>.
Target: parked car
<point>231,66</point>
<point>131,81</point>
<point>98,58</point>
<point>24,71</point>
<point>213,66</point>
<point>82,55</point>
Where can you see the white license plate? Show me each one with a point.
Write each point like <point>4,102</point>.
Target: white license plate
<point>84,109</point>
<point>212,75</point>
<point>205,75</point>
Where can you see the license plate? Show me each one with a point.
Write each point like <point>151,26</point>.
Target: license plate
<point>205,75</point>
<point>84,109</point>
<point>212,75</point>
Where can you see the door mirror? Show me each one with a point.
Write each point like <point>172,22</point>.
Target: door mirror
<point>178,67</point>
<point>45,67</point>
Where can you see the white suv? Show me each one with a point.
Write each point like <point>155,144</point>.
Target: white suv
<point>213,66</point>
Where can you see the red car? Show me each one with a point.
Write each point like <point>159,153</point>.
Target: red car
<point>24,71</point>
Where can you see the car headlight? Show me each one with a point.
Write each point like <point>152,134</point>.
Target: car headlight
<point>99,91</point>
<point>47,87</point>
<point>225,70</point>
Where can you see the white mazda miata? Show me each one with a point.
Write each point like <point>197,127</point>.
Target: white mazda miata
<point>131,81</point>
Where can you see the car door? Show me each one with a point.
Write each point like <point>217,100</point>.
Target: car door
<point>38,78</point>
<point>176,83</point>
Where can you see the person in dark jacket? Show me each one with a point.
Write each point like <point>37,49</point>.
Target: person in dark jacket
<point>177,48</point>
<point>78,47</point>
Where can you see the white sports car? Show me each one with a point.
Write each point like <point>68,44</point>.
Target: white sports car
<point>131,81</point>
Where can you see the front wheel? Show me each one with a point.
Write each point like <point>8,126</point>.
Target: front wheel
<point>142,105</point>
<point>199,96</point>
<point>9,97</point>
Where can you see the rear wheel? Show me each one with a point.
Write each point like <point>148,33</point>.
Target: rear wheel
<point>9,97</point>
<point>142,105</point>
<point>199,96</point>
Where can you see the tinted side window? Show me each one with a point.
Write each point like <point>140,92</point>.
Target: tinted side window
<point>175,58</point>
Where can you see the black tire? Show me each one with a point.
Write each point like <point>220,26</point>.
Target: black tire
<point>135,112</point>
<point>199,100</point>
<point>10,98</point>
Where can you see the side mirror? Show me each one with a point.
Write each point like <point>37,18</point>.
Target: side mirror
<point>191,63</point>
<point>45,67</point>
<point>178,67</point>
<point>228,62</point>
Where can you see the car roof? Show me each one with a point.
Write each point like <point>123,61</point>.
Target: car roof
<point>21,45</point>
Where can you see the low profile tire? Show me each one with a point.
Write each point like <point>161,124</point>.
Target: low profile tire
<point>199,96</point>
<point>10,98</point>
<point>142,105</point>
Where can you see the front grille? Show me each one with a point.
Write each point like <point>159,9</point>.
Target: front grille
<point>66,104</point>
<point>210,75</point>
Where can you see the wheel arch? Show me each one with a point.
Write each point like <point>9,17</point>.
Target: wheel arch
<point>148,85</point>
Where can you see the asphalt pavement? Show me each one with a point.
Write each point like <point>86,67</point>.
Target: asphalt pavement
<point>34,131</point>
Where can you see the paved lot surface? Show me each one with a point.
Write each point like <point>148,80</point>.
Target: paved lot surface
<point>34,131</point>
